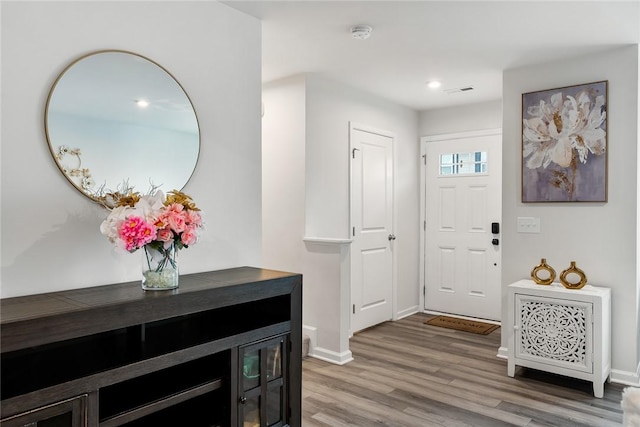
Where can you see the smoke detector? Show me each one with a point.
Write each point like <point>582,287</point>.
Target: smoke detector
<point>361,32</point>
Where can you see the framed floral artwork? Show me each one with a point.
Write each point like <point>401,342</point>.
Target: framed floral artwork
<point>564,144</point>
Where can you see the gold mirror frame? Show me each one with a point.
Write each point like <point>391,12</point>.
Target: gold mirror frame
<point>160,135</point>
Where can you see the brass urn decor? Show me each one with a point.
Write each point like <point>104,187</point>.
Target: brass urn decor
<point>573,270</point>
<point>542,267</point>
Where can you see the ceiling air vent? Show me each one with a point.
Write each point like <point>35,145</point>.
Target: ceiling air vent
<point>458,89</point>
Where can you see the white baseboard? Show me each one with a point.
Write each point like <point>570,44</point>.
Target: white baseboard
<point>407,312</point>
<point>331,356</point>
<point>626,377</point>
<point>503,353</point>
<point>312,333</point>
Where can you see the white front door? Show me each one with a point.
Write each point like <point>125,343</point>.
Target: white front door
<point>372,226</point>
<point>462,199</point>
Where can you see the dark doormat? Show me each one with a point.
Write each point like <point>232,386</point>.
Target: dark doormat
<point>473,326</point>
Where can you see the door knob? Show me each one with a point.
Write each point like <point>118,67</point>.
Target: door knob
<point>243,400</point>
<point>392,237</point>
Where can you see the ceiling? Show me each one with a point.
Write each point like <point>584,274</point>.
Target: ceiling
<point>461,43</point>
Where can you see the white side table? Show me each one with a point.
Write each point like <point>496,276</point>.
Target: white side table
<point>559,330</point>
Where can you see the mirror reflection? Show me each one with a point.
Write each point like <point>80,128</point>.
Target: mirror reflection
<point>116,120</point>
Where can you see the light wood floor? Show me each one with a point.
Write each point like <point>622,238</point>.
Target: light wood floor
<point>406,373</point>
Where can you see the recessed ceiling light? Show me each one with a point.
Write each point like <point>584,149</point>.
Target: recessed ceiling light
<point>361,32</point>
<point>142,103</point>
<point>434,84</point>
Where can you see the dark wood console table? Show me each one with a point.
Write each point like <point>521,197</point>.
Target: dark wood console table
<point>224,349</point>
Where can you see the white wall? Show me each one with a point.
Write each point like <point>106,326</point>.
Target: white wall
<point>50,232</point>
<point>637,312</point>
<point>600,237</point>
<point>283,182</point>
<point>330,108</point>
<point>471,117</point>
<point>313,202</point>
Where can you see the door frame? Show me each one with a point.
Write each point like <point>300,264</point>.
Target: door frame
<point>424,140</point>
<point>355,126</point>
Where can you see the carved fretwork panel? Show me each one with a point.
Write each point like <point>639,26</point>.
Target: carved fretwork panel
<point>563,331</point>
<point>552,331</point>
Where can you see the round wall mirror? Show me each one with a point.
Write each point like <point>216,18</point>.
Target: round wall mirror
<point>116,120</point>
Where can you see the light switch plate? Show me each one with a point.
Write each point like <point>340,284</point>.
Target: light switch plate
<point>528,224</point>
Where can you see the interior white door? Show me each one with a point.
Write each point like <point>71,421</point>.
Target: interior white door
<point>372,227</point>
<point>462,198</point>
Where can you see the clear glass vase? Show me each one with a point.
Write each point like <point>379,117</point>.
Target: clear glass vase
<point>159,268</point>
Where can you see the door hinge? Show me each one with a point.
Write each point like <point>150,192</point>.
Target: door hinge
<point>353,232</point>
<point>424,291</point>
<point>424,159</point>
<point>424,225</point>
<point>354,309</point>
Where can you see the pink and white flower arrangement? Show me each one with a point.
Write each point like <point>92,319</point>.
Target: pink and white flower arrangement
<point>153,221</point>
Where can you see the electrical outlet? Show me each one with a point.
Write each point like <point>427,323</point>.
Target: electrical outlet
<point>528,224</point>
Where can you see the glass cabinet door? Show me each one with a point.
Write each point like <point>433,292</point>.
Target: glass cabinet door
<point>262,383</point>
<point>68,413</point>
